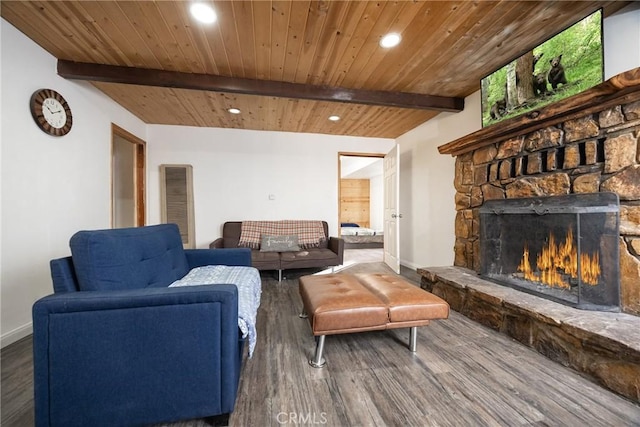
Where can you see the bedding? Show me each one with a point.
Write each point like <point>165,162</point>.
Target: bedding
<point>351,242</point>
<point>361,238</point>
<point>360,231</point>
<point>246,279</point>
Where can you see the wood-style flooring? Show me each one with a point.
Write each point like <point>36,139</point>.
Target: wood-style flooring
<point>463,374</point>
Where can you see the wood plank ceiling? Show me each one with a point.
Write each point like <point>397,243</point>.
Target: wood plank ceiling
<point>447,47</point>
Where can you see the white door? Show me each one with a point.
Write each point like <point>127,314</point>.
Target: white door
<point>391,205</point>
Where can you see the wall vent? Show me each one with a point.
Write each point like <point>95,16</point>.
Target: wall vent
<point>176,196</point>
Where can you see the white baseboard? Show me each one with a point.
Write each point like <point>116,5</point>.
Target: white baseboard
<point>16,335</point>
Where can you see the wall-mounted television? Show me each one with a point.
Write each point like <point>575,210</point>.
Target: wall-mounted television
<point>562,66</point>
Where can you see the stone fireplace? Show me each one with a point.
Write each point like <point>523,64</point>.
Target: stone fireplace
<point>586,146</point>
<point>549,204</point>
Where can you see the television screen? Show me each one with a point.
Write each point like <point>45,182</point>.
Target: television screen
<point>565,64</point>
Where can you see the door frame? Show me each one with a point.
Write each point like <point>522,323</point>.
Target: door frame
<point>139,175</point>
<point>350,154</point>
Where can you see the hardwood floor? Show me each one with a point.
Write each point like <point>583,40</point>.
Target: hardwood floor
<point>16,382</point>
<point>356,256</point>
<point>462,374</point>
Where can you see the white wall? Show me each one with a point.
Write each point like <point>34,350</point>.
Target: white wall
<point>376,202</point>
<point>426,187</point>
<point>622,41</point>
<point>235,171</point>
<point>51,187</point>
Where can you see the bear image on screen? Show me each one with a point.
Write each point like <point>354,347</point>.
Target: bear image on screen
<point>564,65</point>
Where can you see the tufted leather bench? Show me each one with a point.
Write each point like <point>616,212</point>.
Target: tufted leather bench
<point>346,303</point>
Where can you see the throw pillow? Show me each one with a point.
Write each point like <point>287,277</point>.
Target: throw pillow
<point>279,244</point>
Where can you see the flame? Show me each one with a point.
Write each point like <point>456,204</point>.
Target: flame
<point>557,264</point>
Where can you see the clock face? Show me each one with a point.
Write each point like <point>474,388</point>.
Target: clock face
<point>51,112</point>
<point>54,113</point>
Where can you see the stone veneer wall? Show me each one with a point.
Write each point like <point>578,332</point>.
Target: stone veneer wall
<point>596,152</point>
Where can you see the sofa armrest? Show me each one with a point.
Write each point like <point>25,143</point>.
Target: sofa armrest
<point>135,357</point>
<point>336,245</point>
<point>234,257</point>
<point>136,298</point>
<point>217,244</point>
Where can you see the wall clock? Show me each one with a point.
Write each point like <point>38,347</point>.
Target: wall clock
<point>51,112</point>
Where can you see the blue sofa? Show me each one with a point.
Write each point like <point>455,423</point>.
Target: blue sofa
<point>114,345</point>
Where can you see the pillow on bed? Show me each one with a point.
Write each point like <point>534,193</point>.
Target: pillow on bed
<point>349,224</point>
<point>279,244</point>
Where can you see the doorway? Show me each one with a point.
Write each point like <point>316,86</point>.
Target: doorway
<point>361,200</point>
<point>127,179</point>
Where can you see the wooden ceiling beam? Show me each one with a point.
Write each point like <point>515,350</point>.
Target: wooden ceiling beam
<point>208,82</point>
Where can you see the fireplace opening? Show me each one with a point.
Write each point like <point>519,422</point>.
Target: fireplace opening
<point>564,248</point>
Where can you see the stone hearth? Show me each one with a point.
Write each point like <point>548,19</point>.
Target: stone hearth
<point>603,346</point>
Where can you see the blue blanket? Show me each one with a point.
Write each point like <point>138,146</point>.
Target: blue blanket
<point>247,280</point>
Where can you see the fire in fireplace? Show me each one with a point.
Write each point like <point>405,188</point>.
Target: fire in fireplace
<point>557,264</point>
<point>564,248</point>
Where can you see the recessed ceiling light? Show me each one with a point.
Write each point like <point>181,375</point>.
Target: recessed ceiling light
<point>334,118</point>
<point>233,111</point>
<point>390,40</point>
<point>203,13</point>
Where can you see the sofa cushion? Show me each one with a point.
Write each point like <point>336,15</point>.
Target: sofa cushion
<point>265,260</point>
<point>308,258</point>
<point>128,258</point>
<point>279,244</point>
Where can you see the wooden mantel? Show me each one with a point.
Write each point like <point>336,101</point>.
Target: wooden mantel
<point>620,89</point>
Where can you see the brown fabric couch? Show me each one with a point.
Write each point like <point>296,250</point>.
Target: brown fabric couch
<point>329,254</point>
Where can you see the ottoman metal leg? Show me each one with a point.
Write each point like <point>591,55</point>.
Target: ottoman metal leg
<point>413,339</point>
<point>318,361</point>
<point>303,314</point>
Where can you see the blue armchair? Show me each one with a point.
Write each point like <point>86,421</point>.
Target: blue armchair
<point>114,345</point>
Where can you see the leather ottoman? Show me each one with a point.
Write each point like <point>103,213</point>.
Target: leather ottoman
<point>345,303</point>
